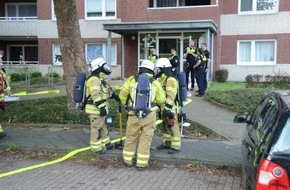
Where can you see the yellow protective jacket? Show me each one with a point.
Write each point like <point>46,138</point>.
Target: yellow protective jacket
<point>97,93</point>
<point>170,85</point>
<point>127,91</point>
<point>6,84</point>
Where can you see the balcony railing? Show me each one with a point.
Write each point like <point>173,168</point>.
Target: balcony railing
<point>20,62</point>
<point>18,18</point>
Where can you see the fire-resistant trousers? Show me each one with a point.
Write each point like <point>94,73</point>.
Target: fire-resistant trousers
<point>144,130</point>
<point>171,135</point>
<point>99,133</point>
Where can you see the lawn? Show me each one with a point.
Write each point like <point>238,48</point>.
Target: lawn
<point>235,96</point>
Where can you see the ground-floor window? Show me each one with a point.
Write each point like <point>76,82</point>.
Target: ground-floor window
<point>22,54</point>
<point>94,50</point>
<point>257,52</point>
<point>56,55</point>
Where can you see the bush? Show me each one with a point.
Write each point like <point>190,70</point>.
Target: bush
<point>35,74</point>
<point>16,77</point>
<point>277,81</point>
<point>221,75</point>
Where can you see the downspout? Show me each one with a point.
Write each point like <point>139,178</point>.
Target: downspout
<point>109,50</point>
<point>123,59</point>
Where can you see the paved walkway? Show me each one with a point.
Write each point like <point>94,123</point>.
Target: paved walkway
<point>69,176</point>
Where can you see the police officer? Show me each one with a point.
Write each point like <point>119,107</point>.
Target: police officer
<point>200,68</point>
<point>97,93</point>
<point>207,55</point>
<point>4,89</point>
<point>190,56</point>
<point>145,125</point>
<point>174,61</point>
<point>171,135</point>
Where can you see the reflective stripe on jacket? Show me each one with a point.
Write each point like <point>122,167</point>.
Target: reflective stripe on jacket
<point>170,85</point>
<point>98,94</point>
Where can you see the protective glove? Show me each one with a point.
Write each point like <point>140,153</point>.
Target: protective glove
<point>166,112</point>
<point>116,97</point>
<point>103,111</point>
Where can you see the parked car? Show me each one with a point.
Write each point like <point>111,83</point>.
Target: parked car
<point>266,143</point>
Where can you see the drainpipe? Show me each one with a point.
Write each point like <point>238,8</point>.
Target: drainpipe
<point>109,50</point>
<point>123,59</point>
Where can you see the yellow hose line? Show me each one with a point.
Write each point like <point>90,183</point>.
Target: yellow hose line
<point>24,93</point>
<point>65,157</point>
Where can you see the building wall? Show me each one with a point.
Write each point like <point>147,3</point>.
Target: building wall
<point>236,27</point>
<point>131,55</point>
<point>145,14</point>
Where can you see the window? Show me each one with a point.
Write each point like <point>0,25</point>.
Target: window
<point>177,3</point>
<point>96,9</point>
<point>53,16</point>
<point>257,52</point>
<point>20,11</point>
<point>281,139</point>
<point>56,55</point>
<point>258,6</point>
<point>95,50</point>
<point>22,54</point>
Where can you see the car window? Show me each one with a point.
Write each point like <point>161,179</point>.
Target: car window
<point>282,140</point>
<point>263,119</point>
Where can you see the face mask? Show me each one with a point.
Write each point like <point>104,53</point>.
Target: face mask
<point>106,69</point>
<point>158,72</point>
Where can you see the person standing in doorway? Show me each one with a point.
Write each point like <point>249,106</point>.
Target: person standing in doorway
<point>207,55</point>
<point>174,61</point>
<point>200,72</point>
<point>152,56</point>
<point>190,56</point>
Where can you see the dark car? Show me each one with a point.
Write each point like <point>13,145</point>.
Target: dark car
<point>266,143</point>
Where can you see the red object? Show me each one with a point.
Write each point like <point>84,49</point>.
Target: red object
<point>2,79</point>
<point>271,176</point>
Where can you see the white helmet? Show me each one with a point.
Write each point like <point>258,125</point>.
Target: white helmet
<point>148,64</point>
<point>163,63</point>
<point>97,63</point>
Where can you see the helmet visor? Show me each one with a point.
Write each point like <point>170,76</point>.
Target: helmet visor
<point>106,69</point>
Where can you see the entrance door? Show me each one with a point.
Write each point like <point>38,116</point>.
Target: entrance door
<point>165,45</point>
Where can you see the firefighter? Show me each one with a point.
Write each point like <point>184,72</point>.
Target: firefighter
<point>4,90</point>
<point>171,136</point>
<point>138,127</point>
<point>97,94</point>
<point>152,56</point>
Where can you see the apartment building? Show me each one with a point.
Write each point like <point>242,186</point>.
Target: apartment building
<point>243,36</point>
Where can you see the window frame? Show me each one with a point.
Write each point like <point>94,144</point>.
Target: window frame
<point>53,55</point>
<point>252,61</point>
<point>254,9</point>
<point>103,17</point>
<point>53,16</point>
<point>17,17</point>
<point>104,52</point>
<point>154,5</point>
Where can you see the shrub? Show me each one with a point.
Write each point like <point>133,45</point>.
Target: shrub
<point>221,75</point>
<point>35,74</point>
<point>16,77</point>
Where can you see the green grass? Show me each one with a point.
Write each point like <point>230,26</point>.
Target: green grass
<point>227,86</point>
<point>235,96</point>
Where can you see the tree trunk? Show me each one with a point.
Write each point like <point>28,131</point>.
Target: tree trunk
<point>71,45</point>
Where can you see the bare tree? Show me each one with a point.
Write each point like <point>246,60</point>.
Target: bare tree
<point>71,45</point>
